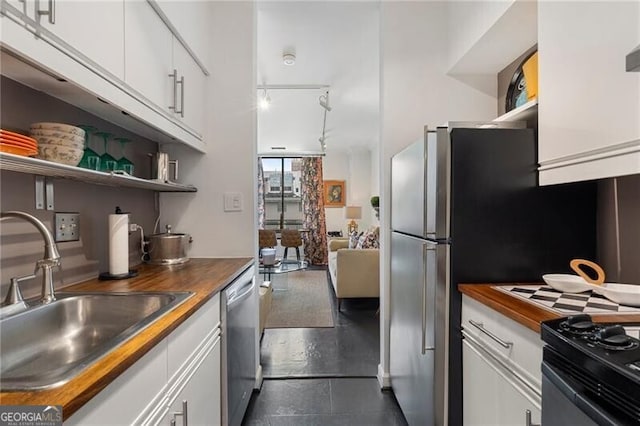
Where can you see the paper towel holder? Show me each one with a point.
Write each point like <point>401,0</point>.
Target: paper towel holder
<point>104,276</point>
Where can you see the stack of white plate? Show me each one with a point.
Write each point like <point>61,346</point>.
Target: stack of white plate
<point>60,143</point>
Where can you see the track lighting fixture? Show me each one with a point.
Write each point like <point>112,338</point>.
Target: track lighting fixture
<point>324,101</point>
<point>265,101</point>
<point>323,144</point>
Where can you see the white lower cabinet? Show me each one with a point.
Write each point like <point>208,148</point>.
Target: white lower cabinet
<point>121,402</point>
<point>491,396</point>
<point>500,386</point>
<point>183,370</point>
<point>196,396</point>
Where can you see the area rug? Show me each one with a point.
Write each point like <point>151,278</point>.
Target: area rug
<point>304,302</point>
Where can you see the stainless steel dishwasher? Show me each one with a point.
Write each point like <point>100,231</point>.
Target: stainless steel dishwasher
<point>239,325</point>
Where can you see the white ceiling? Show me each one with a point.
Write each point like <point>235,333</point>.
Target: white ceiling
<point>336,44</point>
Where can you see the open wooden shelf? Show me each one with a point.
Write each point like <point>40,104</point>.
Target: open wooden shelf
<point>35,166</point>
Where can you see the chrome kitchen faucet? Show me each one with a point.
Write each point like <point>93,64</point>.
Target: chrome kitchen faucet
<point>51,256</point>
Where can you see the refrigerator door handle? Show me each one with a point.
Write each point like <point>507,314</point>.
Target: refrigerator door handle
<point>428,293</point>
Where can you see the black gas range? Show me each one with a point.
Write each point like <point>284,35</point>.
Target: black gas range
<point>591,373</point>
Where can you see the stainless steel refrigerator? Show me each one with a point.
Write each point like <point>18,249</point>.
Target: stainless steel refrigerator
<point>466,208</point>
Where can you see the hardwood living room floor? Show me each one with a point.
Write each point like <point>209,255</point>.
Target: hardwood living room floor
<point>324,376</point>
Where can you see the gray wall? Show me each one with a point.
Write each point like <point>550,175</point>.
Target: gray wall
<point>20,244</point>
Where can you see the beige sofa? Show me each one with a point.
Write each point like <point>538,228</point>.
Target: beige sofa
<point>354,272</point>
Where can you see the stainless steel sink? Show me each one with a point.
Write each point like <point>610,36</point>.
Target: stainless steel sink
<point>47,345</point>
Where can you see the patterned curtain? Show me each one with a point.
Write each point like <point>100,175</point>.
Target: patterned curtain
<point>261,203</point>
<point>315,241</point>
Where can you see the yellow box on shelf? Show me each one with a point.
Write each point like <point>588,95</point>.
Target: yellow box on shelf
<point>530,70</point>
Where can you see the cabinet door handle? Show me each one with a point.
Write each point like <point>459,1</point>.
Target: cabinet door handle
<point>174,76</point>
<point>183,413</point>
<point>51,12</point>
<point>527,419</point>
<point>181,83</point>
<point>480,327</point>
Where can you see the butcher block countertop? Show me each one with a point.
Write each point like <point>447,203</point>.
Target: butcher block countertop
<point>527,313</point>
<point>205,277</point>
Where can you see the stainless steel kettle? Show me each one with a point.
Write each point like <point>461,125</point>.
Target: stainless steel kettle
<point>160,164</point>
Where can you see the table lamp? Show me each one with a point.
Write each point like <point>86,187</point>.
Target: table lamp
<point>353,213</point>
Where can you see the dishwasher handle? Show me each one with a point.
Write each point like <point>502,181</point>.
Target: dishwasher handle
<point>236,297</point>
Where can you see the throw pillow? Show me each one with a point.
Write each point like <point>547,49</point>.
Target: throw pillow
<point>353,239</point>
<point>368,240</point>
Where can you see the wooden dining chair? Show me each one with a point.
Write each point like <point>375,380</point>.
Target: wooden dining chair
<point>291,238</point>
<point>266,239</point>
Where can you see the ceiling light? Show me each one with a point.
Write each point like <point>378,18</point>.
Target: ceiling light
<point>265,101</point>
<point>289,59</point>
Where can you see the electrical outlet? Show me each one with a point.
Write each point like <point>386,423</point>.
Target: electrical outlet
<point>67,226</point>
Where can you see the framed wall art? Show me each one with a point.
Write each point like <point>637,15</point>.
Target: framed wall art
<point>334,193</point>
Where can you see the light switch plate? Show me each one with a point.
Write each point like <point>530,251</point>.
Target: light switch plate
<point>233,202</point>
<point>67,226</point>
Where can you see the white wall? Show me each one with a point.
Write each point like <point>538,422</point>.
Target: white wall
<point>335,166</point>
<point>360,188</point>
<point>415,92</point>
<point>354,167</point>
<point>470,20</point>
<point>230,162</point>
<point>375,179</point>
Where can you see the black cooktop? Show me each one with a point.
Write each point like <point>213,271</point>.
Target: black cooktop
<point>600,359</point>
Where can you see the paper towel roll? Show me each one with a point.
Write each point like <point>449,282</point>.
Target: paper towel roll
<point>118,244</point>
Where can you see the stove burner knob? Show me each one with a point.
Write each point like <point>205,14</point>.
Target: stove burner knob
<point>613,335</point>
<point>579,323</point>
<point>573,319</point>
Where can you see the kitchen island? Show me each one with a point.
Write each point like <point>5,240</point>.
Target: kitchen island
<point>204,277</point>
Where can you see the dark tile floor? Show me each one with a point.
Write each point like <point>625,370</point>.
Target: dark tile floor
<point>325,376</point>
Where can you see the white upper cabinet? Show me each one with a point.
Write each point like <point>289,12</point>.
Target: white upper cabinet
<point>112,58</point>
<point>93,29</point>
<point>589,106</point>
<point>191,20</point>
<point>190,102</point>
<point>148,54</point>
<point>161,69</point>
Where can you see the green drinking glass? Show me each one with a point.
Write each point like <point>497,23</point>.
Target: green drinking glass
<point>124,163</point>
<point>90,158</point>
<point>107,162</point>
